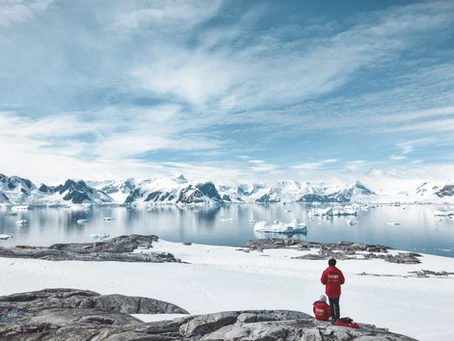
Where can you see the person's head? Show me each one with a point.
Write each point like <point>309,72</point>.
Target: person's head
<point>322,298</point>
<point>332,262</point>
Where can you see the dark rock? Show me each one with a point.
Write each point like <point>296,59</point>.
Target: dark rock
<point>341,250</point>
<point>118,249</point>
<point>85,299</point>
<point>23,320</point>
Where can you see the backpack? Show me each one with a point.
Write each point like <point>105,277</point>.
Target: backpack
<point>346,322</point>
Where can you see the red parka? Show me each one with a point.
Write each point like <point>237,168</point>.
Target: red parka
<point>332,278</point>
<point>321,311</point>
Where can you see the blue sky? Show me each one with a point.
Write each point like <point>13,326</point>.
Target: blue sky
<point>246,90</point>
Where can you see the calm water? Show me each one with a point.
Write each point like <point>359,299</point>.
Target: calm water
<point>419,229</point>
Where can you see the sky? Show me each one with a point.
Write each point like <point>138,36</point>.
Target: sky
<point>227,90</point>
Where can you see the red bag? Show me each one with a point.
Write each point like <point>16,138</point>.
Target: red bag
<point>346,322</point>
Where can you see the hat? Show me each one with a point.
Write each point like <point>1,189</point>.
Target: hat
<point>322,298</point>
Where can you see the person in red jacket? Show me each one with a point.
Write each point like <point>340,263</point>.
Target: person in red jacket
<point>332,278</point>
<point>321,310</point>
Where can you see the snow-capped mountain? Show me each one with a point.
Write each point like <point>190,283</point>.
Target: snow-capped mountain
<point>76,192</point>
<point>433,191</point>
<point>355,192</point>
<point>174,190</point>
<point>294,191</point>
<point>117,190</point>
<point>15,188</point>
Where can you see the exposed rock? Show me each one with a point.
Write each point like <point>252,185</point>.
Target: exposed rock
<point>342,250</point>
<point>82,324</point>
<point>118,249</point>
<point>85,299</point>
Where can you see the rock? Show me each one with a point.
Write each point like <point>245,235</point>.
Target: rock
<point>118,249</point>
<point>341,251</point>
<point>85,299</point>
<point>78,324</point>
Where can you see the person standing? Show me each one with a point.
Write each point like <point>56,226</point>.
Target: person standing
<point>333,278</point>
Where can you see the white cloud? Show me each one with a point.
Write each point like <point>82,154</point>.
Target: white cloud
<point>314,165</point>
<point>397,157</point>
<point>409,146</point>
<point>257,162</point>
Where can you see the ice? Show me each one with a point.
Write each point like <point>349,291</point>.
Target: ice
<point>295,226</point>
<point>100,235</point>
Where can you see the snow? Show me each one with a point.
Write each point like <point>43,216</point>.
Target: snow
<point>223,278</point>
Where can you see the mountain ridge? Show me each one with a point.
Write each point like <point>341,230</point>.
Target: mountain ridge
<point>177,190</point>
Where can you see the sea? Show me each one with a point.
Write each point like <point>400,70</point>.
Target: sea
<point>412,228</point>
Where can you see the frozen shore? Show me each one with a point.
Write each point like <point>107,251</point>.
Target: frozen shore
<point>223,279</point>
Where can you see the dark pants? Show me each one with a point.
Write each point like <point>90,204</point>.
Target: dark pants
<point>334,306</point>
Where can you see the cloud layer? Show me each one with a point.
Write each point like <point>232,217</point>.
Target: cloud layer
<point>215,89</point>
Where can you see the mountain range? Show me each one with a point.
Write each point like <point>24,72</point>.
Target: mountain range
<point>15,190</point>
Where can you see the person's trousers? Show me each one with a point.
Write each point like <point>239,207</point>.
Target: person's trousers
<point>335,308</point>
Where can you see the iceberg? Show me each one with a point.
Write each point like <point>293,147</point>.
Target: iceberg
<point>20,208</point>
<point>5,236</point>
<point>295,226</point>
<point>321,212</point>
<point>21,222</point>
<point>392,223</point>
<point>100,235</point>
<point>345,212</point>
<point>444,213</point>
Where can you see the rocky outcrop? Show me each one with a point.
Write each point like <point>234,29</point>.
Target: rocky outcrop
<point>21,320</point>
<point>118,249</point>
<point>340,250</point>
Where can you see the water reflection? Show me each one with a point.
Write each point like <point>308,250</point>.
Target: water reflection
<point>418,230</point>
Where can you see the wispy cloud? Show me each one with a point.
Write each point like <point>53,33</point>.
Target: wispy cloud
<point>397,157</point>
<point>201,82</point>
<point>314,165</point>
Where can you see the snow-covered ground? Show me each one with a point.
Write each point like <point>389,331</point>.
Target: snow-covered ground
<point>222,278</point>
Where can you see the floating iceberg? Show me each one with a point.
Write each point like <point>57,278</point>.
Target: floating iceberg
<point>100,235</point>
<point>5,236</point>
<point>252,221</point>
<point>108,219</point>
<point>21,222</point>
<point>345,212</point>
<point>392,223</point>
<point>321,212</point>
<point>444,213</point>
<point>350,222</point>
<point>82,221</point>
<point>20,208</point>
<point>227,220</point>
<point>295,226</point>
